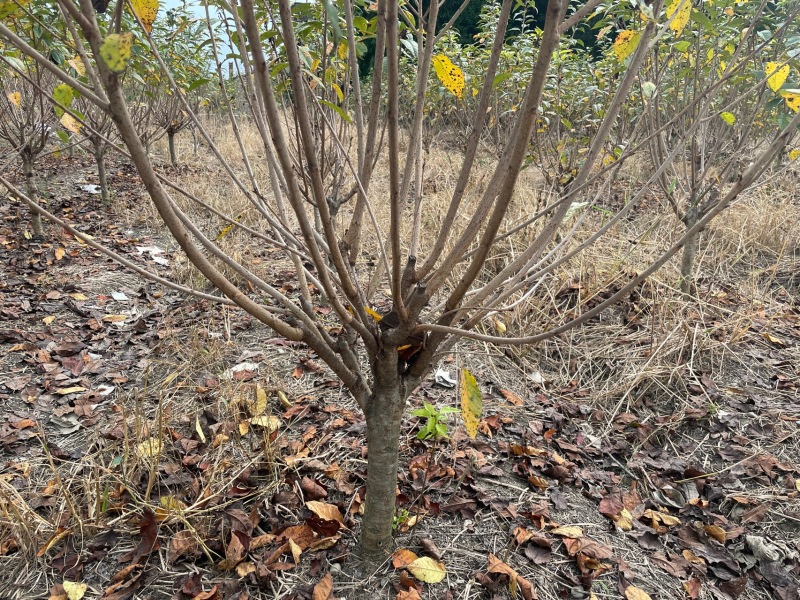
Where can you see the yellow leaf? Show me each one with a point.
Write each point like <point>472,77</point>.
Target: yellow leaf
<point>794,154</point>
<point>568,531</point>
<point>471,403</point>
<point>683,8</point>
<point>625,44</point>
<point>150,448</point>
<point>427,569</point>
<point>168,505</point>
<point>773,339</point>
<point>70,390</point>
<point>285,402</point>
<point>268,422</point>
<point>792,100</point>
<point>48,320</point>
<point>776,75</point>
<point>77,64</point>
<point>499,326</point>
<point>342,50</point>
<point>199,429</point>
<point>373,314</point>
<point>624,520</point>
<point>146,10</point>
<point>244,427</point>
<point>77,296</point>
<point>258,406</point>
<point>15,98</point>
<point>296,550</point>
<point>728,117</point>
<point>224,231</point>
<point>74,590</point>
<point>634,593</point>
<point>70,123</point>
<point>60,253</point>
<point>116,50</point>
<point>450,75</point>
<point>114,318</point>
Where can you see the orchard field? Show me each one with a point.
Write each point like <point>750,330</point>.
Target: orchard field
<point>342,299</point>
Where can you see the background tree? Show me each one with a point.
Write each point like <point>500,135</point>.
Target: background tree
<point>433,278</point>
<point>26,123</point>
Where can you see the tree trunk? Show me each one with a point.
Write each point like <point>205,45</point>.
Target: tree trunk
<point>384,415</point>
<point>33,193</point>
<point>100,159</point>
<point>171,141</point>
<point>689,252</point>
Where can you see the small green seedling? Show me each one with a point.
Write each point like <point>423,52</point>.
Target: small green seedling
<point>435,428</point>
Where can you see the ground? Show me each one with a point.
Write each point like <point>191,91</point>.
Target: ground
<point>155,445</point>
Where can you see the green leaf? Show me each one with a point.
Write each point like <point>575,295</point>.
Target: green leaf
<point>62,94</point>
<point>333,18</point>
<point>338,109</point>
<point>498,79</point>
<point>471,403</point>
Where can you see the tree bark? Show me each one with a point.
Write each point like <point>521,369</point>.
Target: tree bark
<point>689,251</point>
<point>173,158</point>
<point>384,414</point>
<point>100,159</point>
<point>33,193</point>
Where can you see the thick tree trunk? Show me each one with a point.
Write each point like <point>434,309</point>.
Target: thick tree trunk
<point>173,158</point>
<point>689,252</point>
<point>33,193</point>
<point>384,415</point>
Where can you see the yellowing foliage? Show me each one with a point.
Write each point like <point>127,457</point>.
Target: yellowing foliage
<point>70,123</point>
<point>15,98</point>
<point>776,75</point>
<point>450,75</point>
<point>792,100</point>
<point>625,43</point>
<point>427,569</point>
<point>116,50</point>
<point>682,9</point>
<point>728,117</point>
<point>471,403</point>
<point>146,10</point>
<point>10,10</point>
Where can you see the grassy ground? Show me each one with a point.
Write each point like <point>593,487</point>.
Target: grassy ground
<point>156,446</point>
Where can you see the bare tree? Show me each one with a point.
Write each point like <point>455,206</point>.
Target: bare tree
<point>439,288</point>
<point>26,122</point>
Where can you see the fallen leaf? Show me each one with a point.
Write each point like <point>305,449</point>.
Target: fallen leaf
<point>324,589</point>
<point>634,593</point>
<point>150,448</point>
<point>471,403</point>
<point>427,569</point>
<point>716,532</point>
<point>515,581</point>
<point>403,557</point>
<point>268,422</point>
<point>325,511</point>
<point>70,390</point>
<point>512,397</point>
<point>74,590</point>
<point>568,531</point>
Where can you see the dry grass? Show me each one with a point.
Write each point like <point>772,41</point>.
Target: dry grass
<point>644,354</point>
